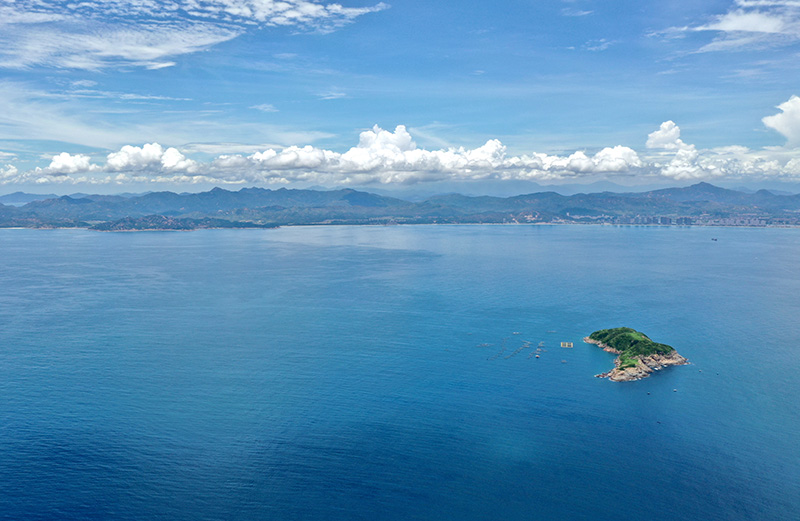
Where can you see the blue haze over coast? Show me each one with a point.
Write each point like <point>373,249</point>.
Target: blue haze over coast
<point>338,373</point>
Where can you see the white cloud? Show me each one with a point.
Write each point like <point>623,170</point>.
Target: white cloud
<point>66,164</point>
<point>616,159</point>
<point>678,160</point>
<point>8,173</point>
<point>224,148</point>
<point>683,165</point>
<point>85,84</point>
<point>598,45</point>
<point>93,45</point>
<point>27,112</point>
<point>303,13</point>
<point>95,34</point>
<point>150,156</point>
<point>104,94</point>
<point>768,3</point>
<point>63,168</point>
<point>667,137</point>
<point>333,94</point>
<point>383,156</point>
<point>575,12</point>
<point>682,161</point>
<point>787,122</point>
<point>265,107</point>
<point>750,24</point>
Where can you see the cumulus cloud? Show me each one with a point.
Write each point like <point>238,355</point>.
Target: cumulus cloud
<point>8,173</point>
<point>383,156</point>
<point>392,156</point>
<point>150,156</point>
<point>787,122</point>
<point>667,137</point>
<point>682,158</point>
<point>94,34</point>
<point>678,160</point>
<point>66,164</point>
<point>683,165</point>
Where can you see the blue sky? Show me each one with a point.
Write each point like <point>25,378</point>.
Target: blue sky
<point>111,95</point>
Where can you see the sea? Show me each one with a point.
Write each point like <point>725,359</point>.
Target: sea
<point>390,373</point>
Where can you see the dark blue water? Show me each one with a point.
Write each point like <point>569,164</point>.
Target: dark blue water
<point>340,373</point>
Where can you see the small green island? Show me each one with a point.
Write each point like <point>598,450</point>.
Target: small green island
<point>638,355</point>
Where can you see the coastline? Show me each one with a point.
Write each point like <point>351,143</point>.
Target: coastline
<point>645,366</point>
<point>768,226</point>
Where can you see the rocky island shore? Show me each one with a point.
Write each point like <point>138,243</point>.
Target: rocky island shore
<point>638,355</point>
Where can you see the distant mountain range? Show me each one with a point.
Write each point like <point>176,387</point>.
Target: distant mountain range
<point>701,203</point>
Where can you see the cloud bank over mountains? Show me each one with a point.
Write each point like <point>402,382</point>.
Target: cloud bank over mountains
<point>392,157</point>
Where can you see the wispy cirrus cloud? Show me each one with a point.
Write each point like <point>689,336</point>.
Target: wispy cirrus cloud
<point>79,117</point>
<point>94,34</point>
<point>301,13</point>
<point>90,45</point>
<point>748,24</point>
<point>332,94</point>
<point>598,45</point>
<point>567,11</point>
<point>265,107</point>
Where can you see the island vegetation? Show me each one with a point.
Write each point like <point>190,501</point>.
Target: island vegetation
<point>638,356</point>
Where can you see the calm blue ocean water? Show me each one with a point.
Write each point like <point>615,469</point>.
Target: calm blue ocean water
<point>342,373</point>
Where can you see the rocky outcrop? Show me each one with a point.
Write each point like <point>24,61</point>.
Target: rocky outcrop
<point>644,367</point>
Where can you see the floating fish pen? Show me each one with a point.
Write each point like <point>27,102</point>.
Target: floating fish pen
<point>566,344</point>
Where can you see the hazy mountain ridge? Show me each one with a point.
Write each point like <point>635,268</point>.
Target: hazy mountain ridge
<point>701,203</point>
